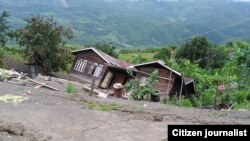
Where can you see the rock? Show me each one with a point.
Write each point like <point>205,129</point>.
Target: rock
<point>158,118</point>
<point>12,128</point>
<point>16,129</point>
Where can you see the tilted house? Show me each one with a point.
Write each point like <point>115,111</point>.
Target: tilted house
<point>90,63</point>
<point>107,70</point>
<point>170,82</point>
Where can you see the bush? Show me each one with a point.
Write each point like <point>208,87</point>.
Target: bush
<point>70,88</point>
<point>245,105</point>
<point>186,103</point>
<point>142,91</point>
<point>241,96</point>
<point>207,98</point>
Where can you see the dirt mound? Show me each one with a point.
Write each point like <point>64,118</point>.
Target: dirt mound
<point>10,131</point>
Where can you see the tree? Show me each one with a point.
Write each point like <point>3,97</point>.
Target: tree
<point>1,57</point>
<point>107,48</point>
<point>217,56</point>
<point>43,43</point>
<point>4,27</point>
<point>196,50</point>
<point>139,59</point>
<point>166,53</point>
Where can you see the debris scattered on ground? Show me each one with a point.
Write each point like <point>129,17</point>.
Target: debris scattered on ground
<point>6,75</point>
<point>14,77</point>
<point>42,84</point>
<point>102,95</point>
<point>12,98</point>
<point>48,78</point>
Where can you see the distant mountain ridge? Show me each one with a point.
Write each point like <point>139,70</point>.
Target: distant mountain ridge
<point>128,23</point>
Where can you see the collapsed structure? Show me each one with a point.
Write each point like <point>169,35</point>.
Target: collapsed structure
<point>91,63</point>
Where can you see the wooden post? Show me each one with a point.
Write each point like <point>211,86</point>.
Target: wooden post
<point>169,81</point>
<point>215,97</point>
<point>181,88</point>
<point>92,86</point>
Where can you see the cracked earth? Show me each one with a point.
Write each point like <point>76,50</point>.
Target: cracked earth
<point>56,115</point>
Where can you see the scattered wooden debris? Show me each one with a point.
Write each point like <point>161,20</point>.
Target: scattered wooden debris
<point>6,75</point>
<point>14,77</point>
<point>44,85</point>
<point>39,86</point>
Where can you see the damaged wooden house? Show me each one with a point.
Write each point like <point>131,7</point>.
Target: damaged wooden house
<point>170,82</point>
<point>91,63</point>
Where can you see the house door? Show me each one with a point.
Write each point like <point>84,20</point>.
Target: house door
<point>107,80</point>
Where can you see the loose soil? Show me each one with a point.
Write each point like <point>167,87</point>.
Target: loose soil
<point>50,115</point>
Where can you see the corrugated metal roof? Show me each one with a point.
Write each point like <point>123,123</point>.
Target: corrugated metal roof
<point>187,80</point>
<point>107,58</point>
<point>158,62</point>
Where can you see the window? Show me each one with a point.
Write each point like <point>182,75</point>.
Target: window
<point>80,65</point>
<point>95,69</point>
<point>98,70</point>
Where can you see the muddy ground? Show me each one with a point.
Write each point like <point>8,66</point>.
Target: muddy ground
<point>50,115</point>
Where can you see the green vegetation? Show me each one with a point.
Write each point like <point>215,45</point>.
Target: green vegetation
<point>185,102</point>
<point>70,88</point>
<point>4,27</point>
<point>199,50</point>
<point>142,90</point>
<point>1,57</point>
<point>43,43</point>
<point>106,48</point>
<point>101,106</point>
<point>137,56</point>
<point>129,23</point>
<point>210,65</point>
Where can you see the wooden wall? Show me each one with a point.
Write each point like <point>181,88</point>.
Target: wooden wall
<point>176,87</point>
<point>119,77</point>
<point>91,57</point>
<point>163,85</point>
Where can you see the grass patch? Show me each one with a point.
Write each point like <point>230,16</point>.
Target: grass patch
<point>102,106</point>
<point>138,108</point>
<point>130,56</point>
<point>244,105</point>
<point>70,88</point>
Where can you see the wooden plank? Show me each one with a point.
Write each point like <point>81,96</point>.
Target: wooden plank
<point>107,80</point>
<point>39,86</point>
<point>47,86</point>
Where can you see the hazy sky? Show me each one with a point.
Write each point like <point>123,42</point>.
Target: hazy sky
<point>243,0</point>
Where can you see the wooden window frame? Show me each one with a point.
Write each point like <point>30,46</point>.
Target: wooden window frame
<point>80,65</point>
<point>98,70</point>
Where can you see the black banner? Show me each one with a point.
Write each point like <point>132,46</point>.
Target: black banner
<point>208,132</point>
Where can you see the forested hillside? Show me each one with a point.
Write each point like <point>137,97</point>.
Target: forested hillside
<point>129,23</point>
